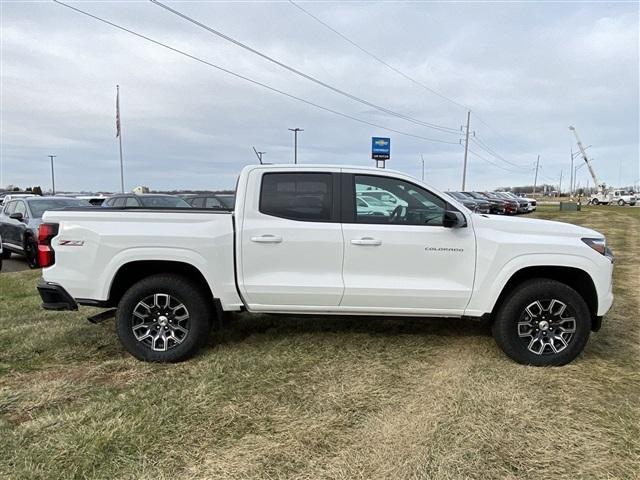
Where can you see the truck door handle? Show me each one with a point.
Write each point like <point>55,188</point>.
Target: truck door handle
<point>367,241</point>
<point>267,238</point>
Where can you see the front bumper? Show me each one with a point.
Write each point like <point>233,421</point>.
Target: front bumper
<point>54,297</point>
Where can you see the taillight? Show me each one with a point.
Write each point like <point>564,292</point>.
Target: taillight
<point>46,255</point>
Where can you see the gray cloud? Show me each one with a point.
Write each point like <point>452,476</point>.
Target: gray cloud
<point>528,70</point>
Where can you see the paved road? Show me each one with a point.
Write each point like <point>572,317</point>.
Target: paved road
<point>14,264</point>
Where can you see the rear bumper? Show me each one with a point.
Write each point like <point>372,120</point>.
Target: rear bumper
<point>54,297</point>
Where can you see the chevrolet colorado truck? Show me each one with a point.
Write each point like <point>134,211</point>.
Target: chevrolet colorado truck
<point>298,242</point>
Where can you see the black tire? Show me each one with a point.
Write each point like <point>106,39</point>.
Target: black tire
<point>198,306</point>
<point>621,202</point>
<point>31,252</point>
<point>6,254</point>
<point>595,201</point>
<point>511,320</point>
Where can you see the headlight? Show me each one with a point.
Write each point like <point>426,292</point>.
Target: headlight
<point>600,246</point>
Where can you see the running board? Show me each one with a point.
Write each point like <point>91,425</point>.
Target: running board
<point>102,316</point>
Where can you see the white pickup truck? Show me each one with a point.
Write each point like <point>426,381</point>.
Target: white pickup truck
<point>298,243</point>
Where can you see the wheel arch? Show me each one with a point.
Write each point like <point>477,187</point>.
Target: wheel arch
<point>130,273</point>
<point>575,278</point>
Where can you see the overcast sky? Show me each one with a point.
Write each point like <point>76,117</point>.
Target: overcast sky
<point>527,71</point>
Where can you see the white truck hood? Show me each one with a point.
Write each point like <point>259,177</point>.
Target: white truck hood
<point>533,226</point>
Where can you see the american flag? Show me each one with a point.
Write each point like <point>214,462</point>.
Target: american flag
<point>117,111</point>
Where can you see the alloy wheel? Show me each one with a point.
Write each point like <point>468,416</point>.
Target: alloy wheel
<point>160,322</point>
<point>547,327</point>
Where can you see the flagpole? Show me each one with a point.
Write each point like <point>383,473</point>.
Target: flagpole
<point>119,137</point>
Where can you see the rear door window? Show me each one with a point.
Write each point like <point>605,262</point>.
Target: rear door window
<point>9,208</point>
<point>20,208</point>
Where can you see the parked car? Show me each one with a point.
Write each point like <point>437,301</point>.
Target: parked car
<point>295,244</point>
<point>533,203</point>
<point>20,221</point>
<point>523,205</point>
<point>95,200</point>
<point>510,206</point>
<point>496,206</point>
<point>475,205</point>
<point>228,199</point>
<point>147,200</point>
<point>209,200</point>
<point>371,206</point>
<point>9,196</point>
<point>387,198</point>
<point>467,202</point>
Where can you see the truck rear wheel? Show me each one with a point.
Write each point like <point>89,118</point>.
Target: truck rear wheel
<point>543,323</point>
<point>163,318</point>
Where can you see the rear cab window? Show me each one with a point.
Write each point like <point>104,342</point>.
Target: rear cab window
<point>302,196</point>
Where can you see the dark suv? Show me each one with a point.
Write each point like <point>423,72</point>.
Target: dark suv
<point>20,220</point>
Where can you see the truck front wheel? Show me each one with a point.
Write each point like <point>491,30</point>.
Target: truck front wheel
<point>163,318</point>
<point>543,322</point>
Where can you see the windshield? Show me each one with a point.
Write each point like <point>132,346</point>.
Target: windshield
<point>460,196</point>
<point>374,202</point>
<point>39,206</point>
<point>163,202</point>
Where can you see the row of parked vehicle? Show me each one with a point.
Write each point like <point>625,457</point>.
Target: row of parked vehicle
<point>21,214</point>
<point>219,201</point>
<point>499,203</point>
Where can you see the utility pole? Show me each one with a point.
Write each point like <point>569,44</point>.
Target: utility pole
<point>295,143</point>
<point>571,176</point>
<point>466,148</point>
<point>535,181</point>
<point>53,178</point>
<point>560,186</point>
<point>422,157</point>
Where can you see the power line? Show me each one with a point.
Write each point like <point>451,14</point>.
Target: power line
<point>247,79</point>
<point>394,69</point>
<point>491,152</point>
<point>378,59</point>
<point>493,163</point>
<point>306,76</point>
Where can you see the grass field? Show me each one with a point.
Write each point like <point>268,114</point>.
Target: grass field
<point>322,398</point>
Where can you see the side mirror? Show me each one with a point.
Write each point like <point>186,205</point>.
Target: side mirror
<point>453,219</point>
<point>17,216</point>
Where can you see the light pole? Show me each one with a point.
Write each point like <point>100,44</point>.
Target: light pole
<point>422,157</point>
<point>295,143</point>
<point>53,178</point>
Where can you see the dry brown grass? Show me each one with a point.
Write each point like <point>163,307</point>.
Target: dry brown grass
<point>313,398</point>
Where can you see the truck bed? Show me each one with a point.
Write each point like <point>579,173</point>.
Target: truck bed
<point>100,241</point>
